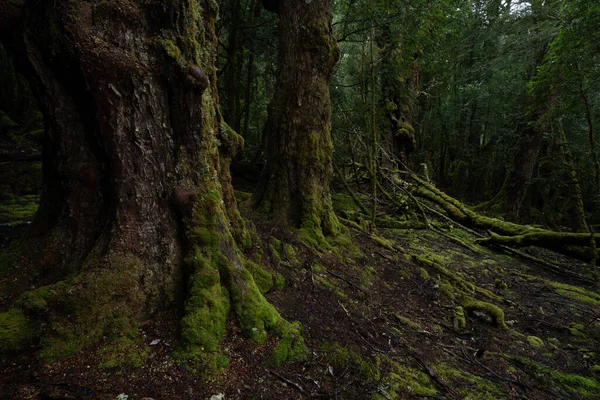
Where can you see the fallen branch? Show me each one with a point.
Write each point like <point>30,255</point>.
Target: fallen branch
<point>351,192</point>
<point>286,380</point>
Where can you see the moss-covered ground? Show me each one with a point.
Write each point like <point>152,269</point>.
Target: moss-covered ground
<point>409,314</point>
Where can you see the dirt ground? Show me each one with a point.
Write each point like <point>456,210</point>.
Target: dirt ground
<point>381,321</point>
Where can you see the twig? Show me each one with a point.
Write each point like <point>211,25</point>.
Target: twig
<point>286,380</point>
<point>370,344</point>
<point>344,308</point>
<point>354,285</point>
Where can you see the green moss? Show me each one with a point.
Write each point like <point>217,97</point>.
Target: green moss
<point>102,301</point>
<point>203,236</point>
<point>411,380</point>
<point>171,48</point>
<point>206,311</point>
<point>20,183</point>
<point>535,342</point>
<point>290,254</point>
<point>325,283</point>
<point>123,353</point>
<point>275,248</point>
<point>22,208</point>
<point>279,282</point>
<point>383,242</point>
<point>407,322</point>
<point>460,322</point>
<point>16,331</point>
<point>576,293</point>
<point>433,262</point>
<point>447,290</point>
<point>231,141</point>
<point>37,300</point>
<point>582,386</point>
<point>577,329</point>
<point>469,386</point>
<point>344,203</point>
<point>495,312</point>
<point>595,371</point>
<point>262,278</point>
<point>367,274</point>
<point>500,284</point>
<point>340,357</point>
<point>241,197</point>
<point>291,345</point>
<point>424,274</point>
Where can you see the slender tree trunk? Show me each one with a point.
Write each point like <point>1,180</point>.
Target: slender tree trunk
<point>295,184</point>
<point>136,187</point>
<point>575,202</point>
<point>524,164</point>
<point>591,139</point>
<point>250,72</point>
<point>235,62</point>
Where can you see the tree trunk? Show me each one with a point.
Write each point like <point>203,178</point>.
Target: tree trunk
<point>136,188</point>
<point>235,61</point>
<point>522,171</point>
<point>295,183</point>
<point>398,85</point>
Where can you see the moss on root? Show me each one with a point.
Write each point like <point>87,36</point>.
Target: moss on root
<point>495,312</point>
<point>535,342</point>
<point>575,384</point>
<point>222,280</point>
<point>123,353</point>
<point>576,293</point>
<point>16,331</point>
<point>102,301</point>
<point>460,322</point>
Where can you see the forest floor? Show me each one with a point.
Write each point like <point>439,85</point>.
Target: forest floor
<point>420,314</point>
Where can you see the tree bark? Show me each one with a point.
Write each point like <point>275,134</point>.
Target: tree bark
<point>522,171</point>
<point>235,62</point>
<point>295,183</point>
<point>136,187</point>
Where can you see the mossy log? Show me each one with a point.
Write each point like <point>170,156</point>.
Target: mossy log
<point>506,233</point>
<point>546,239</point>
<point>459,212</point>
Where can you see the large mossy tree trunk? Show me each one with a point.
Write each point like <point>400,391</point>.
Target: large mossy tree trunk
<point>137,210</point>
<point>295,183</point>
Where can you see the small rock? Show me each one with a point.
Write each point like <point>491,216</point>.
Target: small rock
<point>154,342</point>
<point>219,396</point>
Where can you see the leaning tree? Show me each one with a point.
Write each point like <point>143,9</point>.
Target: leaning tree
<point>137,211</point>
<point>294,188</point>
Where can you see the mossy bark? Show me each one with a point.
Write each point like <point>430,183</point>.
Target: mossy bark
<point>137,194</point>
<point>398,86</point>
<point>295,184</point>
